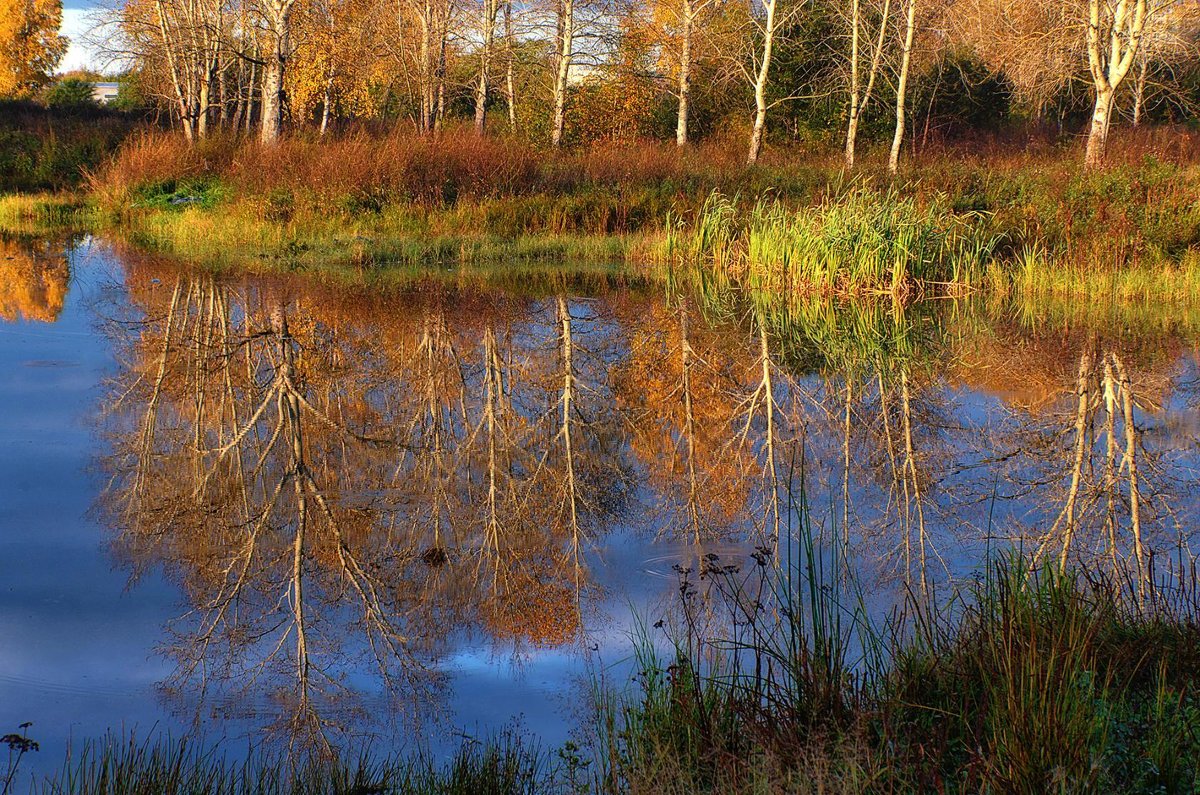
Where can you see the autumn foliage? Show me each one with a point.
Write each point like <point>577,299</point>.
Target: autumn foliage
<point>33,281</point>
<point>30,45</point>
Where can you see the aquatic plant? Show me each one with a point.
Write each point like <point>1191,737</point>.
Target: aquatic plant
<point>1026,679</point>
<point>503,765</point>
<point>18,744</point>
<point>860,241</point>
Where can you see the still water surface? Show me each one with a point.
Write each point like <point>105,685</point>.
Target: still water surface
<point>263,509</point>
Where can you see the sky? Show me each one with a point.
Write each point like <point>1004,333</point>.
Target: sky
<point>75,24</point>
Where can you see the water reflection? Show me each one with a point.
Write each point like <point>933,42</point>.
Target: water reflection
<point>349,488</point>
<point>33,279</point>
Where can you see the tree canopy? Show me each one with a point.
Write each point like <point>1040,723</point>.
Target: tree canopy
<point>30,45</point>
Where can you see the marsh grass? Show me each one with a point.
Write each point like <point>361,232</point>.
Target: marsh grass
<point>1023,680</point>
<point>504,765</point>
<point>245,238</point>
<point>44,214</point>
<point>858,241</point>
<point>1036,273</point>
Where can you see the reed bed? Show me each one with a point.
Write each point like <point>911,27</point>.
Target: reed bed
<point>1025,679</point>
<point>504,765</point>
<point>857,242</point>
<point>1036,273</point>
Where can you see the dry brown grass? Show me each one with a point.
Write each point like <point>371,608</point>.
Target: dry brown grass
<point>401,167</point>
<point>150,158</point>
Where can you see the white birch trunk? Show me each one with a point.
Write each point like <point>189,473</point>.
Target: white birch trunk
<point>566,48</point>
<point>688,12</point>
<point>760,82</point>
<point>1139,91</point>
<point>902,86</point>
<point>859,97</point>
<point>279,18</point>
<point>1125,23</point>
<point>509,81</point>
<point>326,98</point>
<point>490,10</point>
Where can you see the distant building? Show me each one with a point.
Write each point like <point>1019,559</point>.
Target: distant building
<point>105,93</point>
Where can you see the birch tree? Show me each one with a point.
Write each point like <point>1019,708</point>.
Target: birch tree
<point>690,18</point>
<point>278,16</point>
<point>767,19</point>
<point>489,11</point>
<point>564,52</point>
<point>860,93</point>
<point>510,88</point>
<point>179,44</point>
<point>1114,34</point>
<point>433,20</point>
<point>910,17</point>
<point>1167,46</point>
<point>766,27</point>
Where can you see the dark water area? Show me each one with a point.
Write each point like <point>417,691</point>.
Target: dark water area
<point>263,509</point>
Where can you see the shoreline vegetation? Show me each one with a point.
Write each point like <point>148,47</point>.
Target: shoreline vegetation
<point>998,220</point>
<point>774,679</point>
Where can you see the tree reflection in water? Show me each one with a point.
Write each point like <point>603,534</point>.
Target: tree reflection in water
<point>34,274</point>
<point>343,484</point>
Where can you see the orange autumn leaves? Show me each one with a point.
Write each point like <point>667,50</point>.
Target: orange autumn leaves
<point>33,281</point>
<point>30,46</point>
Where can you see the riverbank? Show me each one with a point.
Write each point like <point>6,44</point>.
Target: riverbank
<point>1026,679</point>
<point>796,223</point>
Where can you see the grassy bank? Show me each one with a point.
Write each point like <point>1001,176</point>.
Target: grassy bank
<point>505,765</point>
<point>996,219</point>
<point>1028,680</point>
<point>770,676</point>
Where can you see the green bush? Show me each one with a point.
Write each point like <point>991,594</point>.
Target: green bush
<point>70,94</point>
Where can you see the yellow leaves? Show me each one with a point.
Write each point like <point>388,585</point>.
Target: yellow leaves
<point>30,47</point>
<point>33,284</point>
<point>335,56</point>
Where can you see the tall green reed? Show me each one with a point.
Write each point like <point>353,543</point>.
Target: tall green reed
<point>1024,679</point>
<point>861,240</point>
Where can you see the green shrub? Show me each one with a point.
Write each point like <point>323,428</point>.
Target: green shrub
<point>70,94</point>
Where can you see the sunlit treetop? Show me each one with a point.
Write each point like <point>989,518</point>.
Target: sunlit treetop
<point>30,45</point>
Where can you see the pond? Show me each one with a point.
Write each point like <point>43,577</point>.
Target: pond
<point>283,509</point>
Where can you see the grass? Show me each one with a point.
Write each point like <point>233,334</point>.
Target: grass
<point>994,220</point>
<point>1035,273</point>
<point>44,214</point>
<point>857,241</point>
<point>1028,680</point>
<point>398,237</point>
<point>504,765</point>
